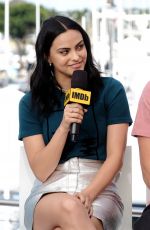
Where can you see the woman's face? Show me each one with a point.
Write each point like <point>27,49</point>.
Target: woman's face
<point>67,54</point>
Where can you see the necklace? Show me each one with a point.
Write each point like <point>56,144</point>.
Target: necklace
<point>61,89</point>
<point>64,90</point>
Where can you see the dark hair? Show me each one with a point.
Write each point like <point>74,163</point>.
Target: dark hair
<point>42,83</point>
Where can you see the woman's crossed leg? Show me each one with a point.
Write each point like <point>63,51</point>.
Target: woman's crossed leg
<point>61,211</point>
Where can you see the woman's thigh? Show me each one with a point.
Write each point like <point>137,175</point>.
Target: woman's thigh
<point>48,209</point>
<point>54,209</point>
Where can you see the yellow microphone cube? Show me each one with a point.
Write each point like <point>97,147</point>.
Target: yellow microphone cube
<point>78,96</point>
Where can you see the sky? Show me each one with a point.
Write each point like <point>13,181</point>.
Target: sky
<point>81,4</point>
<point>63,5</point>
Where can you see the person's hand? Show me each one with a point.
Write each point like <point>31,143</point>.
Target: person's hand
<point>85,200</point>
<point>73,113</point>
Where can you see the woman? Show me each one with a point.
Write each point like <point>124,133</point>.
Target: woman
<point>141,130</point>
<point>76,182</point>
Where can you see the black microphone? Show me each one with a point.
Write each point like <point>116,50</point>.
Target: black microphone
<point>78,94</point>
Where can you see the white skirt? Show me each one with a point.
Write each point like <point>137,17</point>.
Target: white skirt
<point>73,176</point>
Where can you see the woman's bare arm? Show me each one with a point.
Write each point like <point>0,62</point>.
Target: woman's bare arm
<point>144,149</point>
<point>116,143</point>
<point>44,159</point>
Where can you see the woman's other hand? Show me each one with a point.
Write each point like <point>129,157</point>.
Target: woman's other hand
<point>86,201</point>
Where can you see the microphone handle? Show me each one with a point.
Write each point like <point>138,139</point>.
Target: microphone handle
<point>74,132</point>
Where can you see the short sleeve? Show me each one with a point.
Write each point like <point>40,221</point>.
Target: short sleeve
<point>142,120</point>
<point>29,123</point>
<point>117,104</point>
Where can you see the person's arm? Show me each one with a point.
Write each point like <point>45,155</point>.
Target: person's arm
<point>144,149</point>
<point>44,159</point>
<point>116,143</point>
<point>118,120</point>
<point>141,130</point>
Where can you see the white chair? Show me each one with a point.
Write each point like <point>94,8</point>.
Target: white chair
<point>147,196</point>
<point>124,183</point>
<point>26,182</point>
<point>125,189</point>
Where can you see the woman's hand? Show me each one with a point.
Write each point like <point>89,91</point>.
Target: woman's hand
<point>73,113</point>
<point>86,201</point>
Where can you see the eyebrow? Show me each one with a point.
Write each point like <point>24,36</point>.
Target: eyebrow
<point>66,48</point>
<point>80,42</point>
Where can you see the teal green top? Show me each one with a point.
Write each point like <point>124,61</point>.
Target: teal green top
<point>111,107</point>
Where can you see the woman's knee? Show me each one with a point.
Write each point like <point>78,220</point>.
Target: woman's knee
<point>71,205</point>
